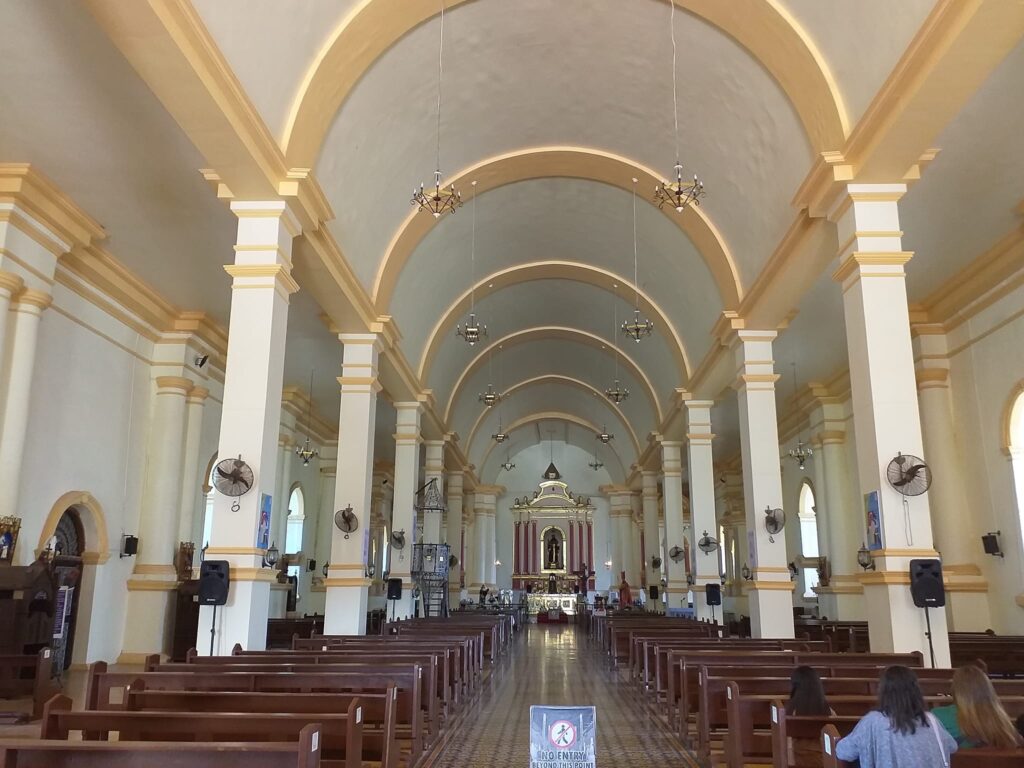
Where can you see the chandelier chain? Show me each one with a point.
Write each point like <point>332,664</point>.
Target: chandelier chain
<point>472,257</point>
<point>675,100</point>
<point>636,279</point>
<point>440,72</point>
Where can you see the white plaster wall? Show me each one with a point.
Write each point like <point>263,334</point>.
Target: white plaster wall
<point>986,365</point>
<point>87,425</point>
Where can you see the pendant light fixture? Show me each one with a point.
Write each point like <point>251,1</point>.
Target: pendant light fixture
<point>595,464</point>
<point>677,194</point>
<point>802,452</point>
<point>603,435</point>
<point>438,201</point>
<point>472,331</point>
<point>616,393</point>
<point>508,466</point>
<point>640,326</point>
<point>490,397</point>
<point>306,452</point>
<point>501,435</point>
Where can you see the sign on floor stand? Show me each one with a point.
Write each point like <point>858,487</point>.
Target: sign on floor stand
<point>563,737</point>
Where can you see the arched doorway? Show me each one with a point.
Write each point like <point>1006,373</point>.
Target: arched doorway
<point>808,516</point>
<point>68,545</point>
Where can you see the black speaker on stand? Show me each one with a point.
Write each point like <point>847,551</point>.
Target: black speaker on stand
<point>928,591</point>
<point>394,594</point>
<point>713,595</point>
<point>214,580</point>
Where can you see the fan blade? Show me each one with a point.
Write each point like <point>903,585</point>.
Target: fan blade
<point>223,474</point>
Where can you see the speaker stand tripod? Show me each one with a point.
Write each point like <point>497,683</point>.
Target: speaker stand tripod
<point>213,627</point>
<point>928,634</point>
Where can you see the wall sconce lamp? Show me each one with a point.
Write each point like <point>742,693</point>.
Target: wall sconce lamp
<point>793,571</point>
<point>325,569</point>
<point>864,559</point>
<point>271,556</point>
<point>745,572</point>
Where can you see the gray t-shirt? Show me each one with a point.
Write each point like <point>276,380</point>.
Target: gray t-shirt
<point>877,745</point>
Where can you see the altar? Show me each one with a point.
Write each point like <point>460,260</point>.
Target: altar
<point>545,604</point>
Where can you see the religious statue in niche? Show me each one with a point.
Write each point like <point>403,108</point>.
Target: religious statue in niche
<point>553,552</point>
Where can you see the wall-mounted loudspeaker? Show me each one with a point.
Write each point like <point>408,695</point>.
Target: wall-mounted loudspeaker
<point>713,593</point>
<point>394,589</point>
<point>926,583</point>
<point>214,579</point>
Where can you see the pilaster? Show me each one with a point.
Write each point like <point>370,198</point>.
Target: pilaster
<point>251,416</point>
<point>885,409</point>
<point>672,495</point>
<point>433,470</point>
<point>407,466</point>
<point>770,593</point>
<point>699,439</point>
<point>347,581</point>
<point>652,536</point>
<point>455,532</point>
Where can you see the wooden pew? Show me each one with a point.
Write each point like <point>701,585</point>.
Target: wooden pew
<point>802,730</point>
<point>101,683</point>
<point>380,744</point>
<point>965,758</point>
<point>35,753</point>
<point>430,692</point>
<point>28,676</point>
<point>340,739</point>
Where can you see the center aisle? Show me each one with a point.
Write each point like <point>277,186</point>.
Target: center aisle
<point>555,665</point>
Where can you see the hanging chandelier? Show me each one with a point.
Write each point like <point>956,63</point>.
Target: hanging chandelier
<point>471,330</point>
<point>640,326</point>
<point>490,397</point>
<point>595,464</point>
<point>616,393</point>
<point>802,452</point>
<point>501,435</point>
<point>677,194</point>
<point>603,435</point>
<point>438,201</point>
<point>306,452</point>
<point>507,465</point>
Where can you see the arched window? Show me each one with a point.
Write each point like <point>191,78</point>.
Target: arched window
<point>293,533</point>
<point>1015,446</point>
<point>721,549</point>
<point>208,506</point>
<point>808,536</point>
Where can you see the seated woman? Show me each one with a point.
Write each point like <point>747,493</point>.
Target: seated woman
<point>976,718</point>
<point>806,694</point>
<point>900,733</point>
<point>806,697</point>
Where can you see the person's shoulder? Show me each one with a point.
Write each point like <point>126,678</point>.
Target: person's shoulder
<point>874,718</point>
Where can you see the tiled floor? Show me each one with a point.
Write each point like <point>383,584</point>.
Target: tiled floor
<point>555,665</point>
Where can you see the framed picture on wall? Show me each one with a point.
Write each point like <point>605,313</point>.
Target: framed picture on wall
<point>873,521</point>
<point>9,528</point>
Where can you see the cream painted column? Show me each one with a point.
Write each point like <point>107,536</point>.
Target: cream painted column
<point>19,365</point>
<point>770,593</point>
<point>957,536</point>
<point>407,467</point>
<point>433,470</point>
<point>38,225</point>
<point>154,576</point>
<point>885,409</point>
<point>486,502</point>
<point>347,583</point>
<point>620,515</point>
<point>195,402</point>
<point>251,416</point>
<point>672,494</point>
<point>843,598</point>
<point>702,501</point>
<point>454,537</point>
<point>470,542</point>
<point>10,285</point>
<point>652,537</point>
<point>324,527</point>
<point>279,521</point>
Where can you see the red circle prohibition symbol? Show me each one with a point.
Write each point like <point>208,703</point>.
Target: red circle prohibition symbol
<point>562,734</point>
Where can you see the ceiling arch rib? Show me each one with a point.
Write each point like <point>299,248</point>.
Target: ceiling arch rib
<point>553,270</point>
<point>533,419</point>
<point>574,335</point>
<point>763,27</point>
<point>563,162</point>
<point>557,379</point>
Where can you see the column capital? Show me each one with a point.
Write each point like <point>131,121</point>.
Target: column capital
<point>174,383</point>
<point>267,209</point>
<point>54,214</point>
<point>198,395</point>
<point>362,340</point>
<point>10,282</point>
<point>250,276</point>
<point>871,264</point>
<point>32,298</point>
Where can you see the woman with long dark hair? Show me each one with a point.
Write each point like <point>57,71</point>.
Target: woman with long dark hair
<point>806,694</point>
<point>900,733</point>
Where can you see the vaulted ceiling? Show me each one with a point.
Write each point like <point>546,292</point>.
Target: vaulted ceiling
<point>552,108</point>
